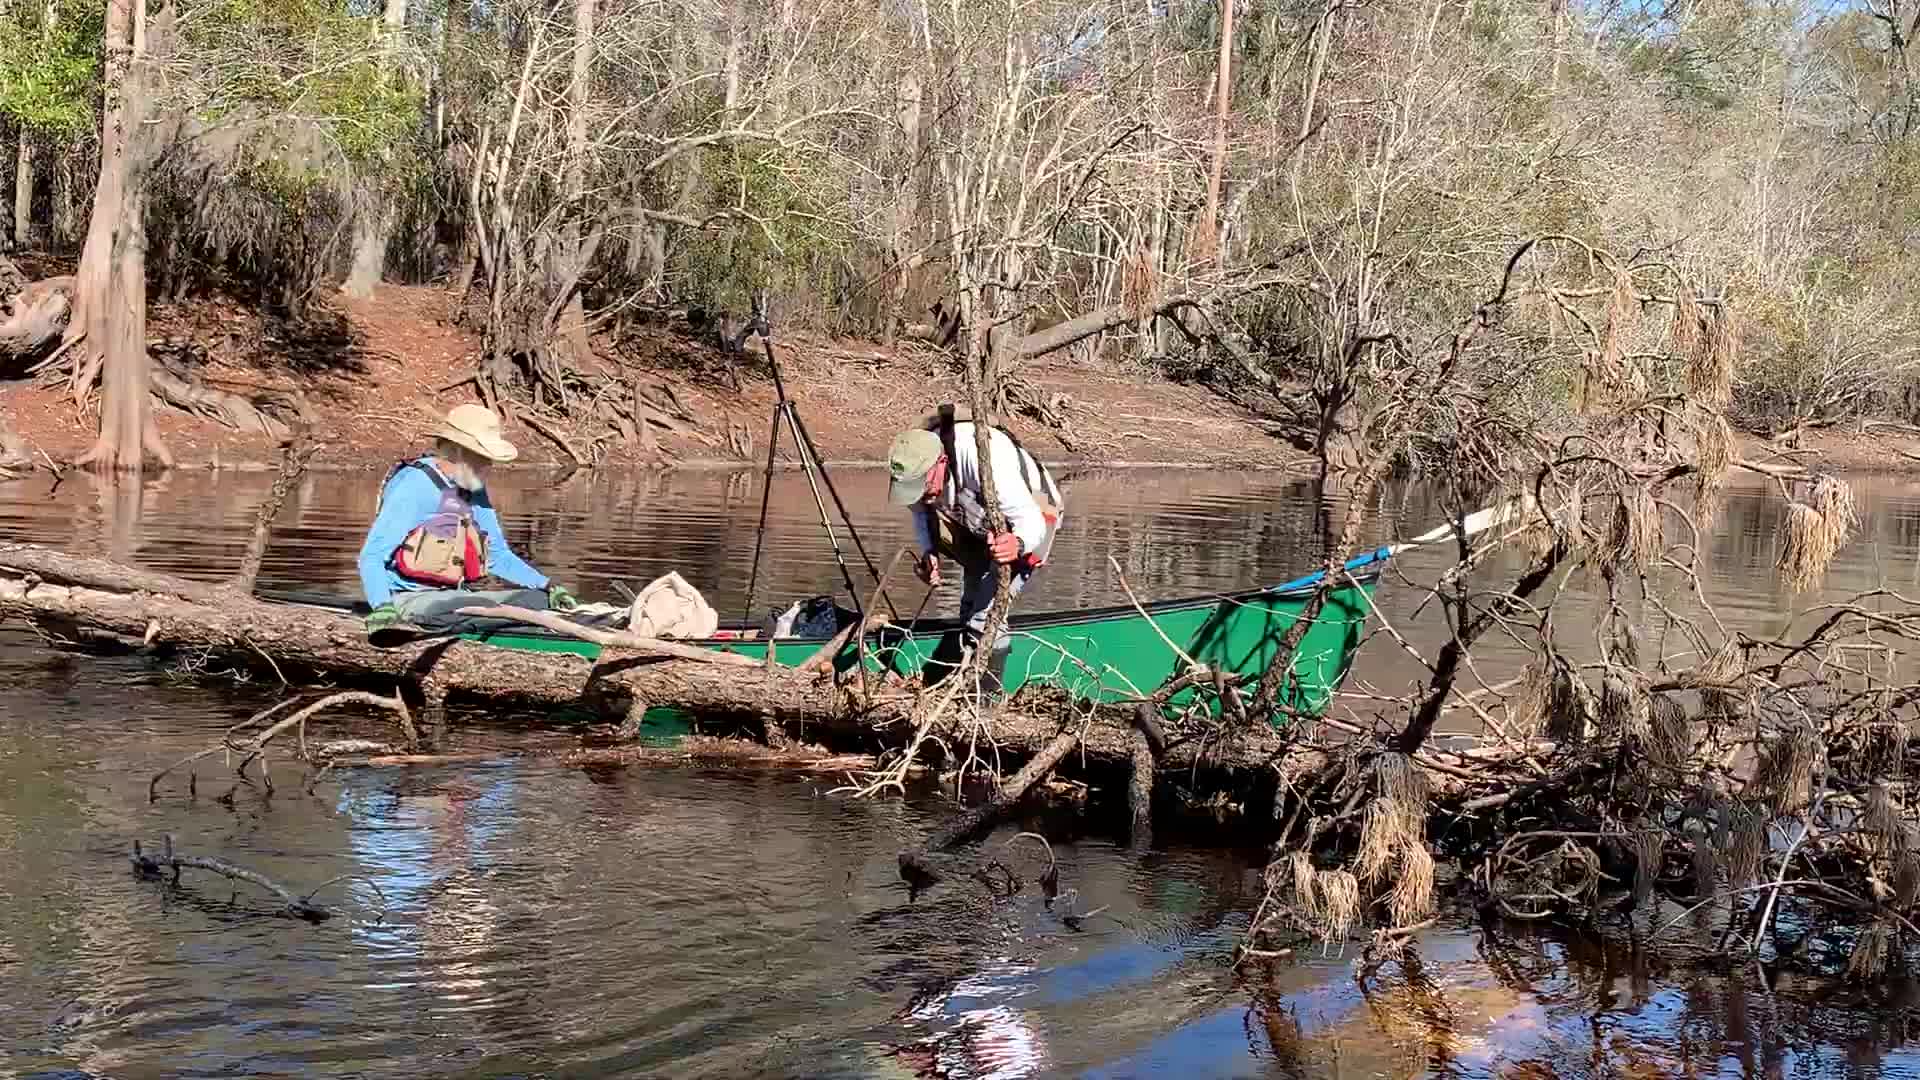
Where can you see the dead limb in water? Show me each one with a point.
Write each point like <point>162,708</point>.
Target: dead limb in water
<point>300,907</point>
<point>919,866</point>
<point>293,464</point>
<point>1140,790</point>
<point>256,747</point>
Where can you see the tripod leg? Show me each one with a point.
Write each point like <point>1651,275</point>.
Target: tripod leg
<point>802,434</point>
<point>760,534</point>
<point>808,464</point>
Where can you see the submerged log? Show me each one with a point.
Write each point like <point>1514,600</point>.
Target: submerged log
<point>300,907</point>
<point>46,587</point>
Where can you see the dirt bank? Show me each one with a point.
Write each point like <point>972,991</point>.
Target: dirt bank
<point>1843,450</point>
<point>380,373</point>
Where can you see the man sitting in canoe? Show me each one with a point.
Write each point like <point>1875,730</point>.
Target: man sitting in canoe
<point>936,471</point>
<point>435,533</point>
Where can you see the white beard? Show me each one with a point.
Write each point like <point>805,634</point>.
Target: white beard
<point>462,476</point>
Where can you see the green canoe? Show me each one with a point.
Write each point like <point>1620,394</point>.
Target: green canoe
<point>1106,654</point>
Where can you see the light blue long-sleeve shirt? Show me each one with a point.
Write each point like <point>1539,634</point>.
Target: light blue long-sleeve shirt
<point>410,498</point>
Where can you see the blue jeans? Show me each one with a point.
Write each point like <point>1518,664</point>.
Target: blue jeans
<point>433,609</point>
<point>978,585</point>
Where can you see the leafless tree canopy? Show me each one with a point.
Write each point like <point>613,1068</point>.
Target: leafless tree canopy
<point>1291,200</point>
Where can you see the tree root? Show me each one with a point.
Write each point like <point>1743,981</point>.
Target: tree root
<point>42,314</point>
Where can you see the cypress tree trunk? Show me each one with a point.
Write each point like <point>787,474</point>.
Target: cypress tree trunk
<point>110,288</point>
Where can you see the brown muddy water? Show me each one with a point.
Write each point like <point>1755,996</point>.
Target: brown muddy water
<point>547,921</point>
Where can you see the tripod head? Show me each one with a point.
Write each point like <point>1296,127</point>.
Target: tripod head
<point>757,317</point>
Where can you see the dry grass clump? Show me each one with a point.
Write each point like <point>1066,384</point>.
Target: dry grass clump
<point>1713,382</point>
<point>1623,316</point>
<point>1636,537</point>
<point>1689,329</point>
<point>1816,531</point>
<point>1649,847</point>
<point>1527,706</point>
<point>1710,345</point>
<point>1339,904</point>
<point>1625,711</point>
<point>1886,835</point>
<point>1412,896</point>
<point>1869,959</point>
<point>1670,734</point>
<point>1723,667</point>
<point>1401,782</point>
<point>1883,745</point>
<point>1906,880</point>
<point>1305,897</point>
<point>1783,778</point>
<point>1713,456</point>
<point>1571,706</point>
<point>1379,837</point>
<point>1742,840</point>
<point>1393,839</point>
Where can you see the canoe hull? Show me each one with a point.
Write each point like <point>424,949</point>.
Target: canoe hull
<point>1108,655</point>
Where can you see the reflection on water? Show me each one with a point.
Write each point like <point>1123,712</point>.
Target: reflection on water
<point>532,919</point>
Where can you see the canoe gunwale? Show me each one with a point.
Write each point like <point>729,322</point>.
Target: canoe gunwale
<point>1043,620</point>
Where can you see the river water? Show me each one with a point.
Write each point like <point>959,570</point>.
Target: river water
<point>538,920</point>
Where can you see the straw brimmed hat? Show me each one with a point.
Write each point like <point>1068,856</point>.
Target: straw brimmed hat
<point>477,428</point>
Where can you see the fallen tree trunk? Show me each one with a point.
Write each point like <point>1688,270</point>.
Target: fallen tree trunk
<point>34,320</point>
<point>46,587</point>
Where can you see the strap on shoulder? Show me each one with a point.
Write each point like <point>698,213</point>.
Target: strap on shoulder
<point>411,463</point>
<point>945,429</point>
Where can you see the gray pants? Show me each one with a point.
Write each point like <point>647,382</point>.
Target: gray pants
<point>433,609</point>
<point>978,585</point>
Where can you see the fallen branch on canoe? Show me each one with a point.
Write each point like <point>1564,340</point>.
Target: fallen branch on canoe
<point>49,589</point>
<point>300,907</point>
<point>608,639</point>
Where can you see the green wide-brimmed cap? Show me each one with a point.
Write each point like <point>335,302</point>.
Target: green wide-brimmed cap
<point>909,461</point>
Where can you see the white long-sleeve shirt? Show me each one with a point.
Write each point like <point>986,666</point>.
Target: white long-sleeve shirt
<point>960,505</point>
